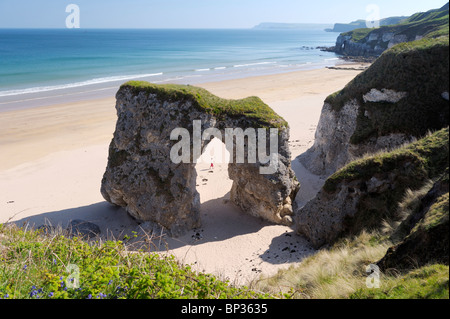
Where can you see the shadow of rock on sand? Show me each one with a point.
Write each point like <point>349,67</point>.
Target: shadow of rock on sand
<point>113,221</point>
<point>287,248</point>
<point>221,221</point>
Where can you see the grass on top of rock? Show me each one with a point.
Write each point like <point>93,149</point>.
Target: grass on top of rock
<point>420,68</point>
<point>427,158</point>
<point>409,167</point>
<point>35,265</point>
<point>252,108</point>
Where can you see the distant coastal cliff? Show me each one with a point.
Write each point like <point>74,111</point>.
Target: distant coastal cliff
<point>360,24</point>
<point>366,42</point>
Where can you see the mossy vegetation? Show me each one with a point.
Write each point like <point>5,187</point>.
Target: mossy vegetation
<point>35,265</point>
<point>420,68</point>
<point>358,35</point>
<point>252,108</point>
<point>426,159</point>
<point>407,168</point>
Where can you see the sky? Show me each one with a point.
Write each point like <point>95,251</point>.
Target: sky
<point>198,13</point>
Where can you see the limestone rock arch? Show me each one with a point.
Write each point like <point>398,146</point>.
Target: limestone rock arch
<point>141,177</point>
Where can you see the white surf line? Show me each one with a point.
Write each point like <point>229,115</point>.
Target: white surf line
<point>60,95</point>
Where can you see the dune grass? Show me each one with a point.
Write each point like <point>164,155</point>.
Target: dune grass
<point>340,272</point>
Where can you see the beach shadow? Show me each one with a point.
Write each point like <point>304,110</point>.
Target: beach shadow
<point>113,221</point>
<point>287,248</point>
<point>221,220</point>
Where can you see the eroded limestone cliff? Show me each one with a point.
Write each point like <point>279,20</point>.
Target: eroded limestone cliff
<point>398,100</point>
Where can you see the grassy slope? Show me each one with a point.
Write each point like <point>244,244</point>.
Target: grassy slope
<point>252,108</point>
<point>34,266</point>
<point>428,282</point>
<point>433,23</point>
<point>420,68</point>
<point>339,272</point>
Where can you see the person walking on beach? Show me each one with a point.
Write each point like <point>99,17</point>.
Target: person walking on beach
<point>212,164</point>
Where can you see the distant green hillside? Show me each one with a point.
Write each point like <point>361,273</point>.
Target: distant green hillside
<point>373,42</point>
<point>358,24</point>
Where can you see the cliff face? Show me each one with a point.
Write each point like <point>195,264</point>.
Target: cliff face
<point>373,42</point>
<point>399,98</point>
<point>425,232</point>
<point>142,176</point>
<point>366,192</point>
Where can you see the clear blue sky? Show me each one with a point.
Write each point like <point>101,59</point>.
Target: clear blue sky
<point>197,13</point>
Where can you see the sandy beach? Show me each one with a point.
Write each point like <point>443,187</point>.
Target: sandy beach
<point>52,160</point>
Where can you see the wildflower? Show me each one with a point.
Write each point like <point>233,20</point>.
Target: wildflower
<point>110,282</point>
<point>89,296</point>
<point>50,294</point>
<point>25,267</point>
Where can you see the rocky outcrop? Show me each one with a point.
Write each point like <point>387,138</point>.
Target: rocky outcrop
<point>374,44</point>
<point>143,177</point>
<point>366,192</point>
<point>397,100</point>
<point>332,147</point>
<point>388,96</point>
<point>381,110</point>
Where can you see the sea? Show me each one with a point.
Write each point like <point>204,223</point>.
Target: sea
<point>45,66</point>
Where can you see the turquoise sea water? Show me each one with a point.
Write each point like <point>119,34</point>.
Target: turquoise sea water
<point>54,61</point>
